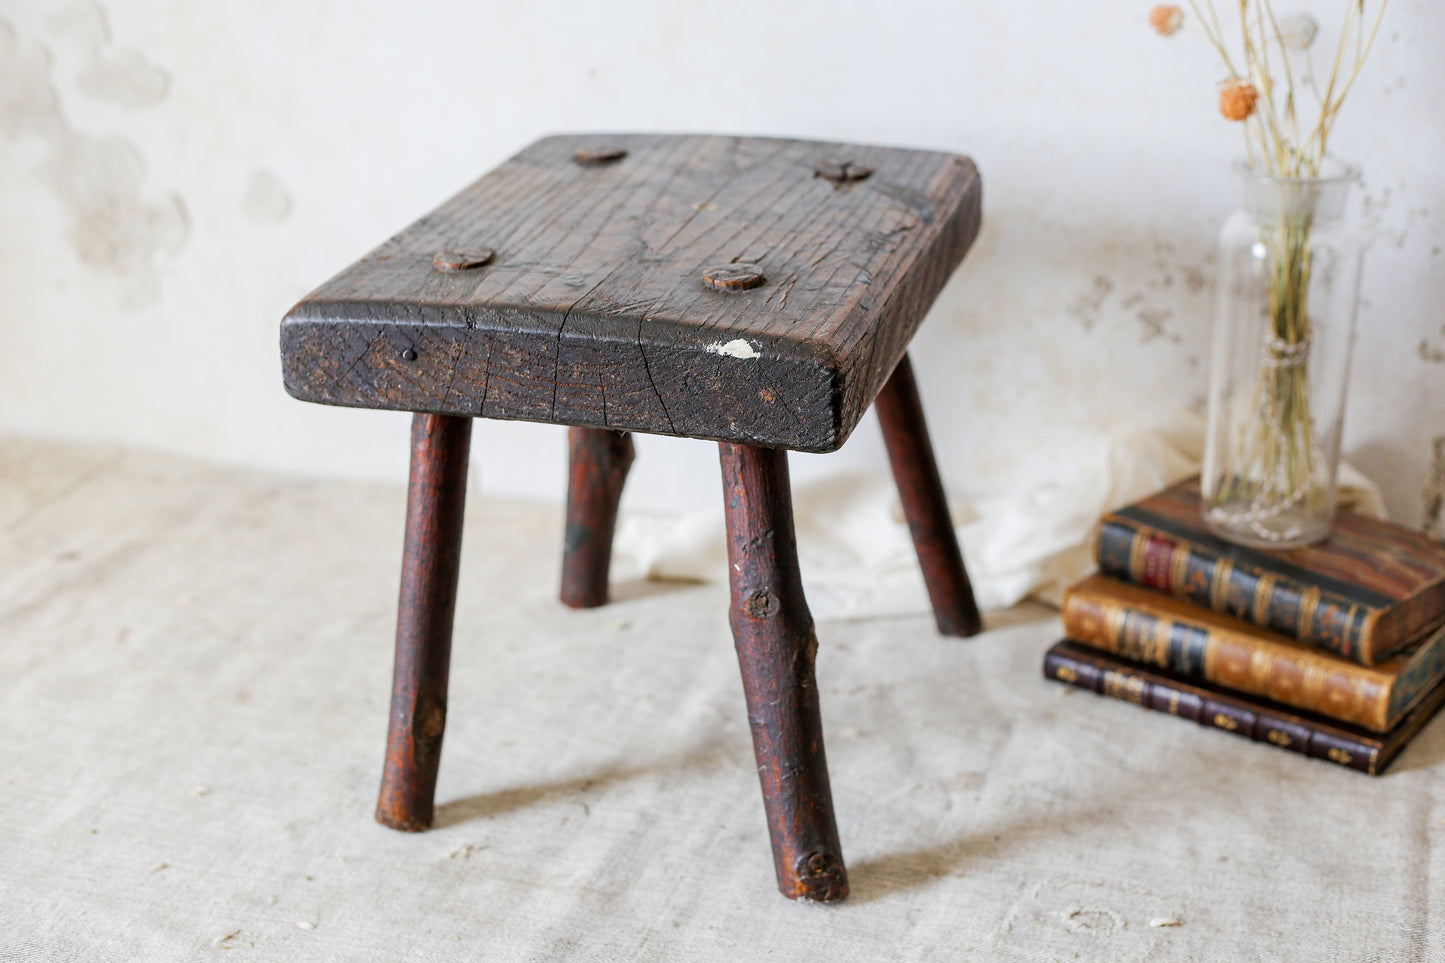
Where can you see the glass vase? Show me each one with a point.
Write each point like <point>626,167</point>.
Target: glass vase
<point>1288,287</point>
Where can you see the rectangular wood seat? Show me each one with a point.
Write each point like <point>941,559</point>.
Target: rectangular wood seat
<point>594,310</point>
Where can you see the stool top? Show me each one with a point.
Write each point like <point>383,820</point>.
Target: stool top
<point>744,289</point>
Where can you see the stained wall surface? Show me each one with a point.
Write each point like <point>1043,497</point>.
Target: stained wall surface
<point>173,176</point>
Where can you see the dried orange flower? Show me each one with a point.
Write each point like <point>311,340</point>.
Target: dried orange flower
<point>1166,18</point>
<point>1236,100</point>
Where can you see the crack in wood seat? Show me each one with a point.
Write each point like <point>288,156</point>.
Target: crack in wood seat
<point>593,310</point>
<point>754,291</point>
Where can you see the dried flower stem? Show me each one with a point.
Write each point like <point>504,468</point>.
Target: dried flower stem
<point>1276,134</point>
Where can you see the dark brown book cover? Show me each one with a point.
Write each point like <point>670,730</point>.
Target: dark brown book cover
<point>1146,626</point>
<point>1257,719</point>
<point>1364,593</point>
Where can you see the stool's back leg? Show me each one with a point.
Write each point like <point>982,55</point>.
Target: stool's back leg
<point>776,646</point>
<point>430,561</point>
<point>598,460</point>
<point>924,503</point>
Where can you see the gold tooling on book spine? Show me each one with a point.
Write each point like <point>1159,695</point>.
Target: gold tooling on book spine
<point>1309,602</point>
<point>1160,649</point>
<point>1219,585</point>
<point>1137,543</point>
<point>1280,739</point>
<point>1263,591</point>
<point>1178,567</point>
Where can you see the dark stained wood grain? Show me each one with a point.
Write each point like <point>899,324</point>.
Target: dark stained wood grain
<point>593,312</point>
<point>900,412</point>
<point>597,462</point>
<point>430,563</point>
<point>776,647</point>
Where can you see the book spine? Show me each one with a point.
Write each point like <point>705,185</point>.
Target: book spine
<point>1259,724</point>
<point>1179,567</point>
<point>1242,661</point>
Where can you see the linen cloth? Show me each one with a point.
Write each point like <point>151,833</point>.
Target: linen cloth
<point>194,675</point>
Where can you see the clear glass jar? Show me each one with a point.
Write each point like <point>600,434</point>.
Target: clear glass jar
<point>1288,288</point>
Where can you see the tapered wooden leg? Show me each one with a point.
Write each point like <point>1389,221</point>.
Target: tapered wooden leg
<point>925,505</point>
<point>598,460</point>
<point>430,560</point>
<point>776,647</point>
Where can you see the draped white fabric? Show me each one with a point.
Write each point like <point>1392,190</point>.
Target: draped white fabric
<point>858,560</point>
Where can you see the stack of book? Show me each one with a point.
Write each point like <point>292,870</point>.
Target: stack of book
<point>1335,650</point>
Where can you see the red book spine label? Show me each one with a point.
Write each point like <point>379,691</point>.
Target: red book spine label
<point>1158,563</point>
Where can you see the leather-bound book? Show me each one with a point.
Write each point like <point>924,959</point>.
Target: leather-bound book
<point>1196,643</point>
<point>1364,593</point>
<point>1263,721</point>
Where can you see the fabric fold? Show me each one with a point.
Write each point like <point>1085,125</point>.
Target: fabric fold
<point>857,557</point>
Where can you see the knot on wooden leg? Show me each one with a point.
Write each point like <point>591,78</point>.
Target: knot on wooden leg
<point>821,877</point>
<point>762,604</point>
<point>432,719</point>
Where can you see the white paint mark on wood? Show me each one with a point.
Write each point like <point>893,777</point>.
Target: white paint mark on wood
<point>736,348</point>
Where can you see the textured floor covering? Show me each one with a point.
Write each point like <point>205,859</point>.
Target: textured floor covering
<point>194,668</point>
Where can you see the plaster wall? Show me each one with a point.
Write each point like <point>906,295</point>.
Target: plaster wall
<point>174,175</point>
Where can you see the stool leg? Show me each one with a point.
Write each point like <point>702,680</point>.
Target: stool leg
<point>430,560</point>
<point>776,647</point>
<point>926,507</point>
<point>598,460</point>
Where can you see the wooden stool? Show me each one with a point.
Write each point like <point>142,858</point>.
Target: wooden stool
<point>753,291</point>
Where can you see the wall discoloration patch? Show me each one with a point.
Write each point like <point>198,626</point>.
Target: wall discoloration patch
<point>1435,491</point>
<point>83,22</point>
<point>1153,320</point>
<point>266,200</point>
<point>1195,280</point>
<point>1088,306</point>
<point>1384,221</point>
<point>126,79</point>
<point>1432,353</point>
<point>111,227</point>
<point>28,104</point>
<point>98,180</point>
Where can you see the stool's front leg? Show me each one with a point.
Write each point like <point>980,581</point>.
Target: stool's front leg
<point>598,459</point>
<point>430,562</point>
<point>776,647</point>
<point>924,504</point>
